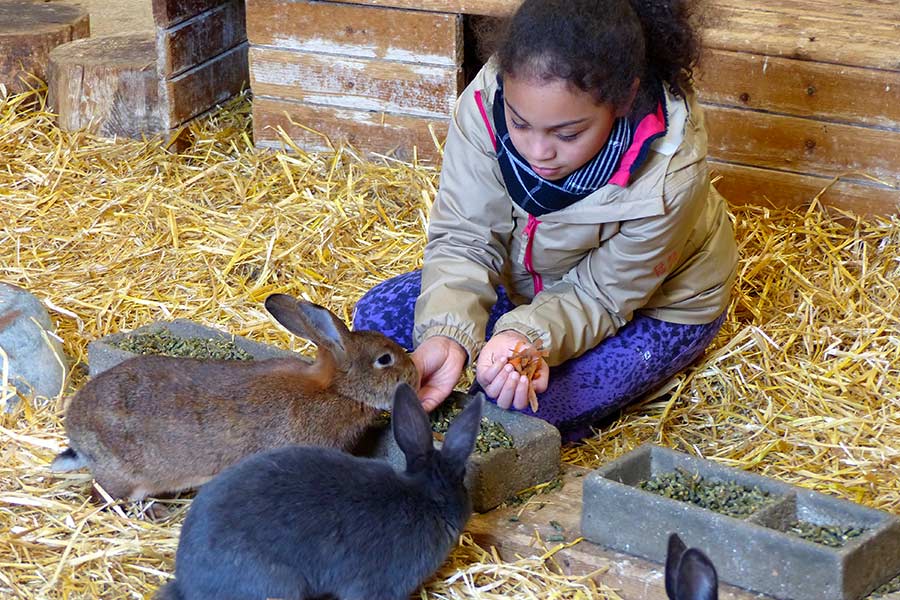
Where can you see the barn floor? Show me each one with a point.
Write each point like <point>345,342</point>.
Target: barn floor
<point>118,16</point>
<point>802,385</point>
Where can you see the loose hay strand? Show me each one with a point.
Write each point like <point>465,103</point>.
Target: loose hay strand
<point>801,385</point>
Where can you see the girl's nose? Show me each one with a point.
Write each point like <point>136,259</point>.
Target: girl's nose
<point>541,149</point>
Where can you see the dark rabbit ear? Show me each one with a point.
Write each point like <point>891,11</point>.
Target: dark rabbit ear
<point>673,560</point>
<point>311,321</point>
<point>460,438</point>
<point>411,426</point>
<point>697,578</point>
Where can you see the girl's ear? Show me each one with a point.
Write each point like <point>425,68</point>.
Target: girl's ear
<point>626,108</point>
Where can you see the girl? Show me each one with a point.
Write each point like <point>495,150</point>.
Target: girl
<point>574,209</point>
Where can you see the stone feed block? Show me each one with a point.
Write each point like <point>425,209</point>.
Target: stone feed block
<point>753,553</point>
<point>102,354</point>
<point>496,476</point>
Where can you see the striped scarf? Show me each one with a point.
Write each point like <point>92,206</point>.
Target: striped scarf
<point>538,196</point>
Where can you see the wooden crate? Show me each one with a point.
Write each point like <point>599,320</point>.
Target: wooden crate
<point>801,96</point>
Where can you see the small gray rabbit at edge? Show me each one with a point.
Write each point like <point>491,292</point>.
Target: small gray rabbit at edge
<point>690,575</point>
<point>159,424</point>
<point>302,522</point>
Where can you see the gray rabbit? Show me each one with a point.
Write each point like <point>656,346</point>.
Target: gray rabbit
<point>301,522</point>
<point>690,575</point>
<point>156,424</point>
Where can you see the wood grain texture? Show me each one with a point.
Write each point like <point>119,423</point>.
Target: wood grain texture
<point>319,128</point>
<point>202,37</point>
<point>201,88</point>
<point>356,31</point>
<point>28,32</point>
<point>801,145</point>
<point>366,84</point>
<point>801,88</point>
<point>170,12</point>
<point>744,184</point>
<point>108,85</point>
<point>469,7</point>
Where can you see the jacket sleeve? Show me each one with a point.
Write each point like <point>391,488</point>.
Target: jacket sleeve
<point>600,294</point>
<point>468,234</point>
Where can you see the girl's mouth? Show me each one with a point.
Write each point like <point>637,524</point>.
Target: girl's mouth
<point>545,172</point>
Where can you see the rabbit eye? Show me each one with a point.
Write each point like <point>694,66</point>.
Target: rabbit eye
<point>385,360</point>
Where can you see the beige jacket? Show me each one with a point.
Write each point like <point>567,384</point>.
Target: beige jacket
<point>663,245</point>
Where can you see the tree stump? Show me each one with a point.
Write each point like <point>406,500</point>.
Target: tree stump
<point>29,30</point>
<point>108,85</point>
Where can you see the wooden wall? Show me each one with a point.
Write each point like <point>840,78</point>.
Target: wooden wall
<point>801,96</point>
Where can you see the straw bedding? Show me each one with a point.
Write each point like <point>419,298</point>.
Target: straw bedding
<point>802,385</point>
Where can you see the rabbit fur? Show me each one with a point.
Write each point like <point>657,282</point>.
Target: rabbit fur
<point>302,522</point>
<point>157,424</point>
<point>690,575</point>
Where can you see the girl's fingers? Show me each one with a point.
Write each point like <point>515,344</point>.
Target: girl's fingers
<point>507,392</point>
<point>521,393</point>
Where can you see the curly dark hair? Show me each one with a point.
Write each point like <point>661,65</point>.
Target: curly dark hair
<point>601,46</point>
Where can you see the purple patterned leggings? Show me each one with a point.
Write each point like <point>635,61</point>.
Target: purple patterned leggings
<point>639,358</point>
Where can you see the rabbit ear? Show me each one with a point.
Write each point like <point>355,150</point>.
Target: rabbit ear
<point>697,578</point>
<point>673,560</point>
<point>460,438</point>
<point>311,321</point>
<point>412,428</point>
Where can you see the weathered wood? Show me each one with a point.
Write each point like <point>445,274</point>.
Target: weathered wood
<point>818,36</point>
<point>196,91</point>
<point>202,37</point>
<point>854,12</point>
<point>170,12</point>
<point>801,145</point>
<point>632,577</point>
<point>794,87</point>
<point>743,184</point>
<point>107,84</point>
<point>29,30</point>
<point>366,84</point>
<point>357,31</point>
<point>312,127</point>
<point>469,7</point>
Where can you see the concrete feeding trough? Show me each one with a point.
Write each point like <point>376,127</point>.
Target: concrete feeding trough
<point>500,473</point>
<point>755,552</point>
<point>103,353</point>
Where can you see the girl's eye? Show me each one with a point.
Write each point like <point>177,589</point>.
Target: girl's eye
<point>567,137</point>
<point>518,125</point>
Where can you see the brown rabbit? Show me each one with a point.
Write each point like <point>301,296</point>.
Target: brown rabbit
<point>156,424</point>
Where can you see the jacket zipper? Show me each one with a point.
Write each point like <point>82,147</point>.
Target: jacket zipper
<point>530,229</point>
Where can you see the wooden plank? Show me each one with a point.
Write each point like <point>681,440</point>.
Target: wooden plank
<point>312,126</point>
<point>801,145</point>
<point>817,36</point>
<point>167,13</point>
<point>200,89</point>
<point>202,37</point>
<point>802,88</point>
<point>28,32</point>
<point>469,7</point>
<point>631,576</point>
<point>851,11</point>
<point>366,84</point>
<point>743,184</point>
<point>358,31</point>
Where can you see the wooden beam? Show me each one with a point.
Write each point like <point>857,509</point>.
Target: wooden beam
<point>468,7</point>
<point>356,31</point>
<point>366,84</point>
<point>801,145</point>
<point>201,88</point>
<point>169,12</point>
<point>745,184</point>
<point>797,87</point>
<point>204,36</point>
<point>313,127</point>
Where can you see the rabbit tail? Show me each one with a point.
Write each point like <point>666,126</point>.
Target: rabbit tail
<point>68,460</point>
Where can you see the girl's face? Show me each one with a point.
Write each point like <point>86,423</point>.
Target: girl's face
<point>556,127</point>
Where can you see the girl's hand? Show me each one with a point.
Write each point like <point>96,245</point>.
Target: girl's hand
<point>440,363</point>
<point>499,379</point>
